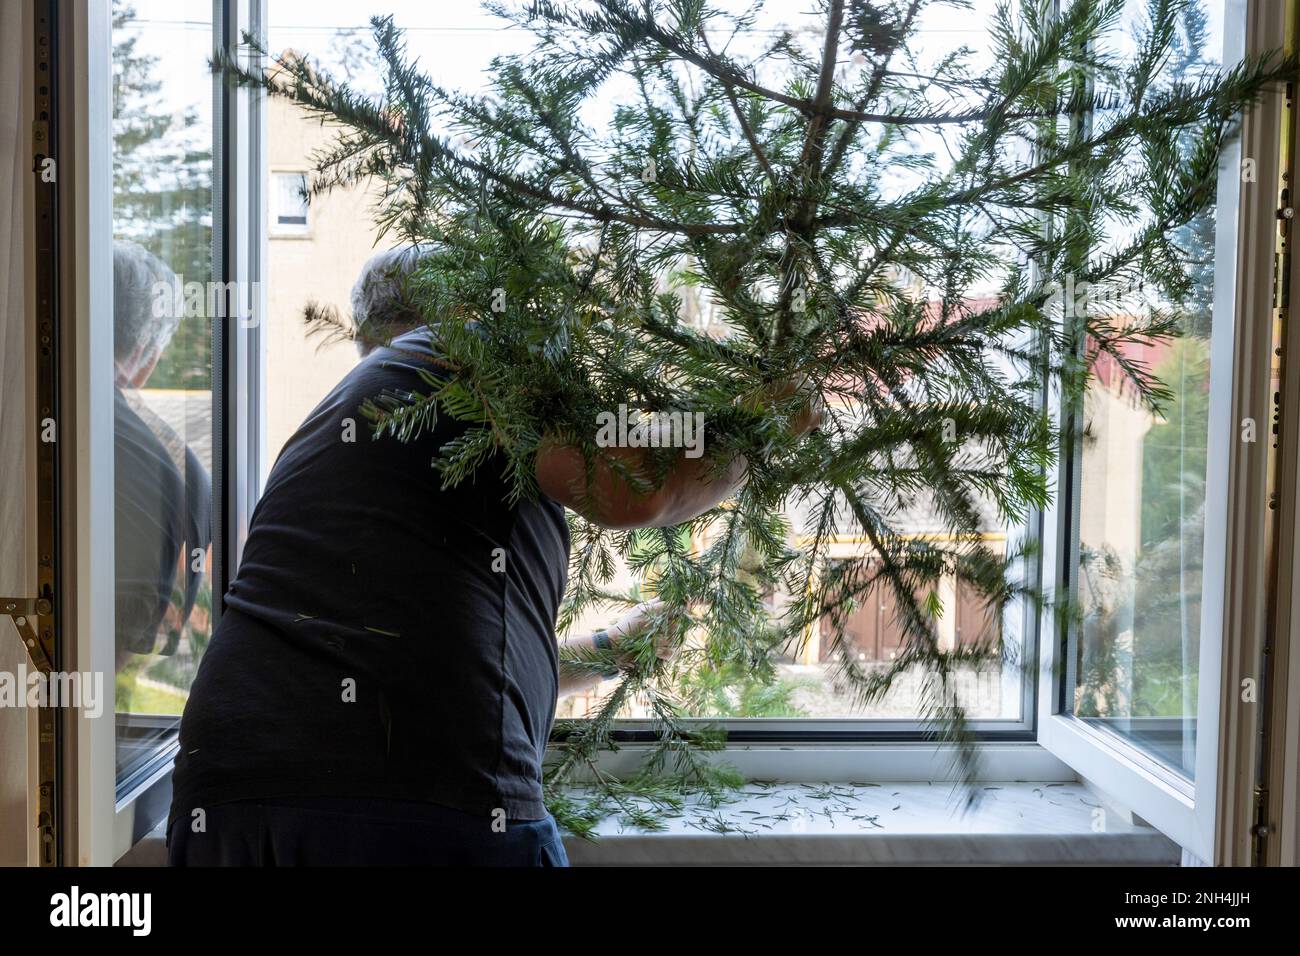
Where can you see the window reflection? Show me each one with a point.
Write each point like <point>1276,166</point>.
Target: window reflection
<point>162,364</point>
<point>1142,500</point>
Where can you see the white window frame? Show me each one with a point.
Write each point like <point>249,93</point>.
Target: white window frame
<point>89,46</point>
<point>102,826</point>
<point>1182,808</point>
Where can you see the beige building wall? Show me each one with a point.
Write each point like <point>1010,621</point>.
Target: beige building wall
<point>1111,514</point>
<point>319,265</point>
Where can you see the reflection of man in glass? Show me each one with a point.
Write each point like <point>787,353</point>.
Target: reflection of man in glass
<point>163,494</point>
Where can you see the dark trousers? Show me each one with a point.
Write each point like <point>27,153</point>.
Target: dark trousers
<point>334,831</point>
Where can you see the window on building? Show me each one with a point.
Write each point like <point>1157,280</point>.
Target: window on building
<point>289,194</point>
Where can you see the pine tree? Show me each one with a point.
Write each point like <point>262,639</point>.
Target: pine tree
<point>790,191</point>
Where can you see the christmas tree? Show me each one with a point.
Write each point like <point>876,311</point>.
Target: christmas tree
<point>838,206</point>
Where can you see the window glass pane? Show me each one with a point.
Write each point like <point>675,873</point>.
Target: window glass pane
<point>455,44</point>
<point>806,682</point>
<point>162,362</point>
<point>1142,498</point>
<point>315,261</point>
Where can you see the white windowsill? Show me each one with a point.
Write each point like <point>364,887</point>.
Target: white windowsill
<point>1051,823</point>
<point>897,819</point>
<point>900,824</point>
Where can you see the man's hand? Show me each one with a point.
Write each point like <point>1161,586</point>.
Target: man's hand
<point>632,625</point>
<point>812,412</point>
<point>623,637</point>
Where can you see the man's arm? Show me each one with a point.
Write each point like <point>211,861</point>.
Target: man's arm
<point>575,679</point>
<point>691,487</point>
<point>610,501</point>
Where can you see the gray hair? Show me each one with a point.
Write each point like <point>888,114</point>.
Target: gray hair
<point>381,307</point>
<point>146,301</point>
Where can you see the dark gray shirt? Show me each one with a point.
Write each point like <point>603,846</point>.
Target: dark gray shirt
<point>383,636</point>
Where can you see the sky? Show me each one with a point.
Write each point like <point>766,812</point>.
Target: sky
<point>454,39</point>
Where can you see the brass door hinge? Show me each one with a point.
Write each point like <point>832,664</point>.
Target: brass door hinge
<point>24,612</point>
